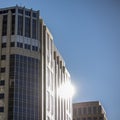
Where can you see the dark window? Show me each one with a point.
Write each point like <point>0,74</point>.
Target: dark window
<point>33,48</point>
<point>1,95</point>
<point>26,46</point>
<point>13,10</point>
<point>95,118</point>
<point>12,44</point>
<point>34,29</point>
<point>89,110</point>
<point>27,13</point>
<point>20,11</point>
<point>2,82</point>
<point>94,110</point>
<point>89,118</point>
<point>3,45</point>
<point>1,109</point>
<point>19,44</point>
<point>99,109</point>
<point>84,111</point>
<point>5,11</point>
<point>79,111</point>
<point>4,27</point>
<point>35,15</point>
<point>3,57</point>
<point>2,70</point>
<point>29,47</point>
<point>20,25</point>
<point>27,27</point>
<point>13,24</point>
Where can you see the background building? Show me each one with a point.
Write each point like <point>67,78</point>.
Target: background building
<point>88,111</point>
<point>31,69</point>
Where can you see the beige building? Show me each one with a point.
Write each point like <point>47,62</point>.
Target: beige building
<point>31,69</point>
<point>88,111</point>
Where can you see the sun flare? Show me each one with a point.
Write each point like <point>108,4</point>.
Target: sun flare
<point>66,90</point>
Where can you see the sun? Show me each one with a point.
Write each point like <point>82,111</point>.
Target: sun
<point>66,90</point>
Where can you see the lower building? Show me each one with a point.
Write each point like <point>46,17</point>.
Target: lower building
<point>88,111</point>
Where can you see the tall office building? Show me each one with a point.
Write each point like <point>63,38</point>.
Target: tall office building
<point>31,69</point>
<point>88,111</point>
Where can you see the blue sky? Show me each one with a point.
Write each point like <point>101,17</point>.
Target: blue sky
<point>87,34</point>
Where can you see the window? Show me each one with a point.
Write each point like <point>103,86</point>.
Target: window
<point>2,70</point>
<point>99,109</point>
<point>100,118</point>
<point>89,110</point>
<point>3,57</point>
<point>79,111</point>
<point>95,118</point>
<point>2,82</point>
<point>13,25</point>
<point>83,118</point>
<point>20,11</point>
<point>19,44</point>
<point>1,109</point>
<point>20,25</point>
<point>4,27</point>
<point>34,15</point>
<point>89,118</point>
<point>12,44</point>
<point>94,110</point>
<point>27,27</point>
<point>13,10</point>
<point>1,95</point>
<point>27,13</point>
<point>34,29</point>
<point>3,45</point>
<point>84,111</point>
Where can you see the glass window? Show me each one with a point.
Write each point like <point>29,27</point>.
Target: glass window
<point>2,82</point>
<point>34,15</point>
<point>99,109</point>
<point>27,13</point>
<point>89,110</point>
<point>95,118</point>
<point>12,44</point>
<point>13,10</point>
<point>1,109</point>
<point>20,11</point>
<point>2,70</point>
<point>4,27</point>
<point>3,45</point>
<point>79,111</point>
<point>3,57</point>
<point>34,29</point>
<point>1,95</point>
<point>84,111</point>
<point>89,118</point>
<point>13,25</point>
<point>20,25</point>
<point>27,27</point>
<point>94,110</point>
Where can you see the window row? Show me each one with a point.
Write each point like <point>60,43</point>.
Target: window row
<point>87,110</point>
<point>89,118</point>
<point>21,45</point>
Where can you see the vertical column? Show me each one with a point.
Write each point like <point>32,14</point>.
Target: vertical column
<point>1,19</point>
<point>7,63</point>
<point>16,20</point>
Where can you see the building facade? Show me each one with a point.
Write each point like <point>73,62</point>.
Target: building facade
<point>31,69</point>
<point>88,111</point>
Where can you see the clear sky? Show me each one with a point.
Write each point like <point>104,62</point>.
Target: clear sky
<point>87,34</point>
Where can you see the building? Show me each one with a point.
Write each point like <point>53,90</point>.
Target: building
<point>88,111</point>
<point>31,69</point>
